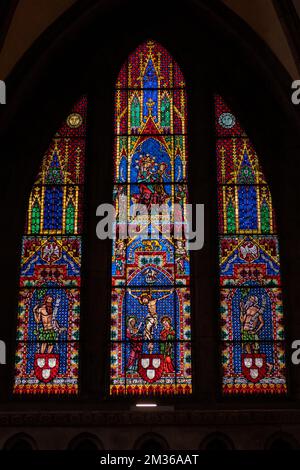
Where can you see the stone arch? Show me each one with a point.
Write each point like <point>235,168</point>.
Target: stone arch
<point>85,442</point>
<point>217,441</point>
<point>281,441</point>
<point>20,442</point>
<point>76,37</point>
<point>151,442</point>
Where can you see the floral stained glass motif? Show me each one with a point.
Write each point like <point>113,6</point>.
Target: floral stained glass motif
<point>252,330</point>
<point>50,275</point>
<point>150,318</point>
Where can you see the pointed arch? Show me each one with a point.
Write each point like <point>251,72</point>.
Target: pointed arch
<point>252,331</point>
<point>49,296</point>
<point>150,319</point>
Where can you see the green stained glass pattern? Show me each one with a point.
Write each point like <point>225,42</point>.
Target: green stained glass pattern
<point>265,218</point>
<point>135,112</point>
<point>35,218</point>
<point>70,218</point>
<point>165,112</point>
<point>230,218</point>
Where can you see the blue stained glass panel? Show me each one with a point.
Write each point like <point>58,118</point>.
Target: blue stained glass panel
<point>247,198</point>
<point>53,208</point>
<point>152,161</point>
<point>150,319</point>
<point>252,329</point>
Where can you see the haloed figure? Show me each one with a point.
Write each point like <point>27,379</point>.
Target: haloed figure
<point>167,336</point>
<point>180,256</point>
<point>135,341</point>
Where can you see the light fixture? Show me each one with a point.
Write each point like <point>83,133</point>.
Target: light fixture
<point>146,405</point>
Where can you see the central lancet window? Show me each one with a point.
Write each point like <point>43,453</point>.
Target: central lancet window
<point>150,319</point>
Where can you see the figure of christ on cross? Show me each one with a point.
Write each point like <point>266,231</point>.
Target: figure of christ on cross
<point>151,321</point>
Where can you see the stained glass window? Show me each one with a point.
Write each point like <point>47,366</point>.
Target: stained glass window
<point>253,358</point>
<point>49,295</point>
<point>150,319</point>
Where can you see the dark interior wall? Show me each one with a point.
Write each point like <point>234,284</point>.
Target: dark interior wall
<point>82,53</point>
<point>289,16</point>
<point>297,6</point>
<point>7,9</point>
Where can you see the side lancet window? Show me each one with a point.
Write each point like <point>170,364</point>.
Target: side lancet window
<point>150,319</point>
<point>50,276</point>
<point>253,359</point>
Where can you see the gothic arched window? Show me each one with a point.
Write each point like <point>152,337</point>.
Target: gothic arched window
<point>50,276</point>
<point>253,357</point>
<point>150,320</point>
<point>150,317</point>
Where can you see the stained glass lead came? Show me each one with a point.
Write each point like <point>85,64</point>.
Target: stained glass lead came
<point>251,311</point>
<point>47,353</point>
<point>150,318</point>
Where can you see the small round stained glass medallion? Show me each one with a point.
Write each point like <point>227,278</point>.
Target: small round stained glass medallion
<point>227,120</point>
<point>74,120</point>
